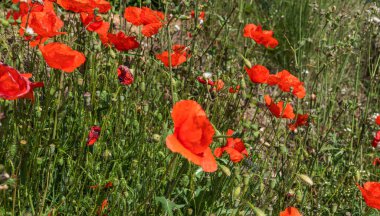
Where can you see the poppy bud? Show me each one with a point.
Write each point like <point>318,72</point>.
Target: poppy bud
<point>23,142</point>
<point>358,176</point>
<point>246,179</point>
<point>107,154</point>
<point>299,196</point>
<point>262,187</point>
<point>156,137</point>
<point>334,207</point>
<point>306,179</point>
<point>236,192</point>
<point>272,183</point>
<point>190,211</point>
<point>4,22</point>
<point>225,170</point>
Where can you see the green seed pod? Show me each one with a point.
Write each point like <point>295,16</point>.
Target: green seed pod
<point>246,178</point>
<point>236,193</point>
<point>156,137</point>
<point>299,196</point>
<point>225,170</point>
<point>334,207</point>
<point>358,176</point>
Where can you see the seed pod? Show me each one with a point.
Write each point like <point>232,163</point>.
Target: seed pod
<point>236,193</point>
<point>225,170</point>
<point>299,196</point>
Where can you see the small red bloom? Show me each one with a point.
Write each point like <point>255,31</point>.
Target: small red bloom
<point>371,194</point>
<point>219,85</point>
<point>151,20</point>
<point>60,56</point>
<point>93,135</point>
<point>376,140</point>
<point>178,56</point>
<point>124,74</point>
<point>14,85</point>
<point>201,15</point>
<point>123,42</point>
<point>377,120</point>
<point>290,211</point>
<point>233,90</point>
<point>258,74</point>
<point>278,109</point>
<point>376,162</point>
<point>193,135</point>
<point>234,147</point>
<point>287,82</point>
<point>102,207</point>
<point>301,120</point>
<point>259,36</point>
<point>94,23</point>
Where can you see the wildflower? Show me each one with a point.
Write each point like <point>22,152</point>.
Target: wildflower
<point>122,42</point>
<point>376,162</point>
<point>377,120</point>
<point>29,6</point>
<point>278,109</point>
<point>193,134</point>
<point>151,20</point>
<point>258,74</point>
<point>87,6</point>
<point>376,140</point>
<point>219,85</point>
<point>94,23</point>
<point>290,211</point>
<point>60,56</point>
<point>287,82</point>
<point>201,16</point>
<point>301,120</point>
<point>124,74</point>
<point>233,90</point>
<point>93,135</point>
<point>102,207</point>
<point>259,36</point>
<point>178,56</point>
<point>371,194</point>
<point>14,85</point>
<point>234,147</point>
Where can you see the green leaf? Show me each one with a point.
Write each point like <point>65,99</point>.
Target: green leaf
<point>168,205</point>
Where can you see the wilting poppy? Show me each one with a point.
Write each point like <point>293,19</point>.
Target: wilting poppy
<point>102,207</point>
<point>203,80</point>
<point>376,140</point>
<point>219,85</point>
<point>193,134</point>
<point>233,90</point>
<point>107,185</point>
<point>377,120</point>
<point>290,211</point>
<point>301,120</point>
<point>93,135</point>
<point>86,6</point>
<point>14,85</point>
<point>94,23</point>
<point>259,36</point>
<point>258,74</point>
<point>125,75</point>
<point>234,147</point>
<point>178,56</point>
<point>376,162</point>
<point>122,42</point>
<point>278,109</point>
<point>287,82</point>
<point>151,20</point>
<point>60,56</point>
<point>371,194</point>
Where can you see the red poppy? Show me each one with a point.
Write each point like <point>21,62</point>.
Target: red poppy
<point>201,15</point>
<point>234,147</point>
<point>202,80</point>
<point>301,120</point>
<point>193,134</point>
<point>60,56</point>
<point>290,211</point>
<point>178,56</point>
<point>102,207</point>
<point>259,36</point>
<point>233,90</point>
<point>121,42</point>
<point>124,74</point>
<point>258,73</point>
<point>377,120</point>
<point>107,185</point>
<point>94,23</point>
<point>286,82</point>
<point>278,109</point>
<point>219,85</point>
<point>93,135</point>
<point>87,6</point>
<point>29,6</point>
<point>371,194</point>
<point>151,20</point>
<point>14,85</point>
<point>376,140</point>
<point>376,162</point>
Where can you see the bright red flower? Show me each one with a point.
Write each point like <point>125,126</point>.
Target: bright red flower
<point>233,90</point>
<point>95,23</point>
<point>124,74</point>
<point>86,6</point>
<point>219,85</point>
<point>258,74</point>
<point>151,20</point>
<point>29,6</point>
<point>301,120</point>
<point>122,42</point>
<point>102,207</point>
<point>60,56</point>
<point>93,135</point>
<point>287,82</point>
<point>377,120</point>
<point>202,80</point>
<point>201,15</point>
<point>376,140</point>
<point>234,147</point>
<point>371,194</point>
<point>278,109</point>
<point>376,162</point>
<point>290,211</point>
<point>259,36</point>
<point>193,134</point>
<point>14,85</point>
<point>178,56</point>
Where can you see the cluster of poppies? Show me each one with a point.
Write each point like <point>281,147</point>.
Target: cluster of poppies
<point>371,190</point>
